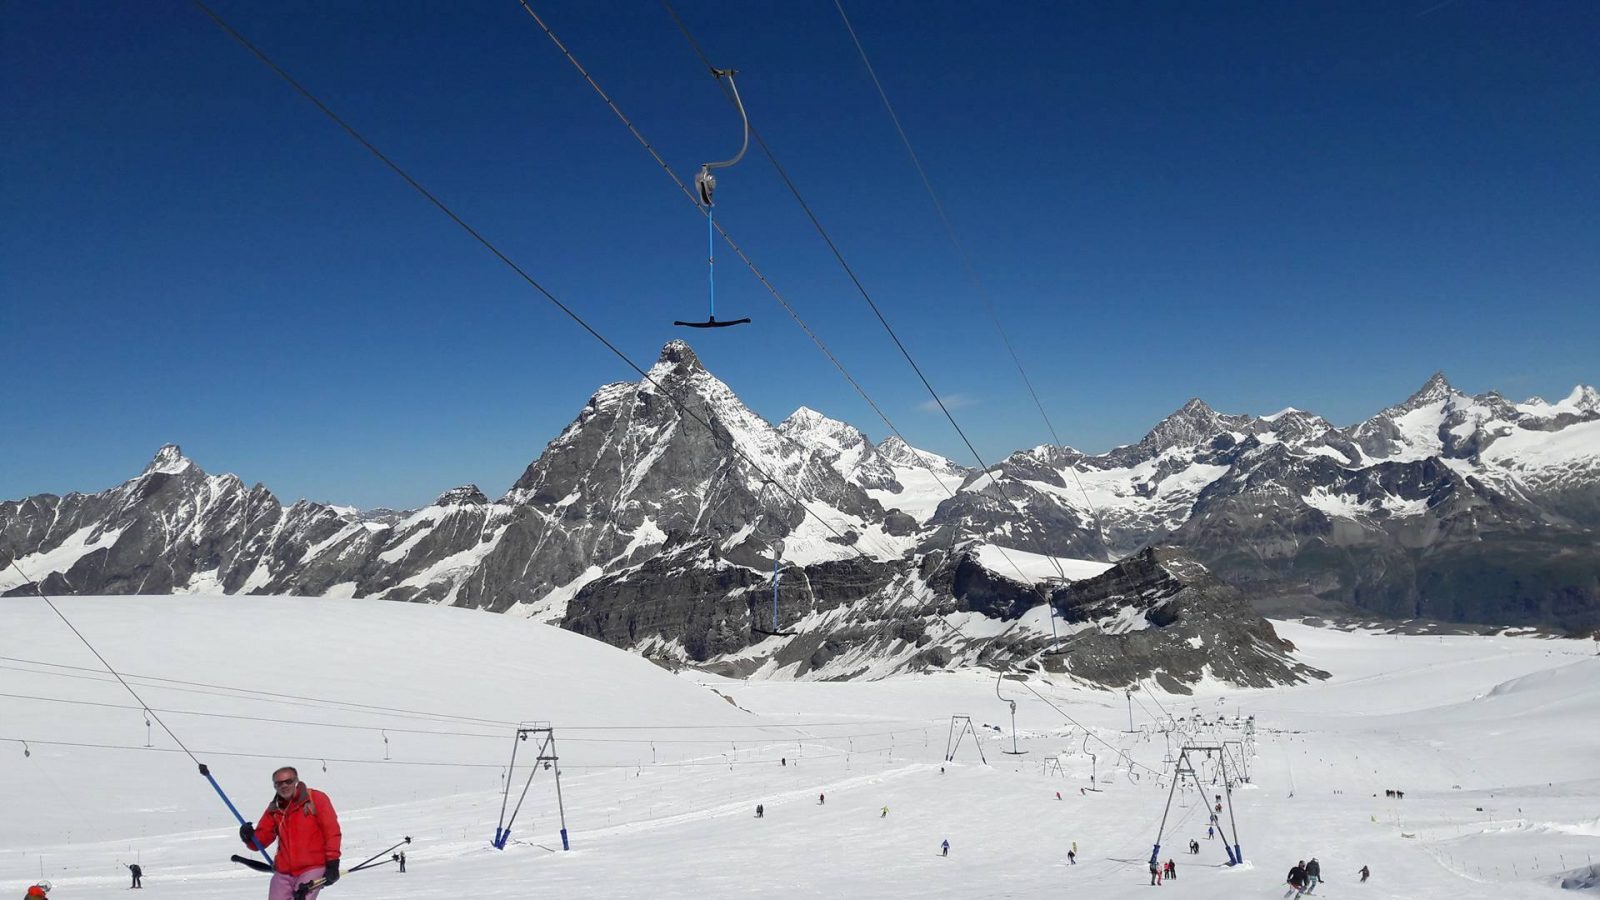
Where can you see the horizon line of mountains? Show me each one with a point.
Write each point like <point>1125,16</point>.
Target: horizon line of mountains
<point>640,526</point>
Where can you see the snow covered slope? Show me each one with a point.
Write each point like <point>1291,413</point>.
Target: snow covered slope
<point>403,714</point>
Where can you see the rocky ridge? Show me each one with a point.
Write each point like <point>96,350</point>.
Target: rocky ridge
<point>650,524</point>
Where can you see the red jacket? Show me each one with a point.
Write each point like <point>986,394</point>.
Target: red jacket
<point>34,891</point>
<point>306,829</point>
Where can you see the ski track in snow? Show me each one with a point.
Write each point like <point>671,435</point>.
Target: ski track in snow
<point>662,772</point>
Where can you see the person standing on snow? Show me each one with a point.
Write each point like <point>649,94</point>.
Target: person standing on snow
<point>37,891</point>
<point>822,799</point>
<point>944,849</point>
<point>884,814</point>
<point>306,828</point>
<point>1155,873</point>
<point>1313,875</point>
<point>137,873</point>
<point>1365,873</point>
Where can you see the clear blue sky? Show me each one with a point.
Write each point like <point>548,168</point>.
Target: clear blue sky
<point>1263,204</point>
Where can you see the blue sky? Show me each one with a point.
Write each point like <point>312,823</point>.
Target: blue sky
<point>1263,205</point>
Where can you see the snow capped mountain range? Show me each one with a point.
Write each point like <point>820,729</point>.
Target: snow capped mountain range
<point>650,521</point>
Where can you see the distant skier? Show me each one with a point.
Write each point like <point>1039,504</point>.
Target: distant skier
<point>37,891</point>
<point>1211,832</point>
<point>306,828</point>
<point>402,861</point>
<point>137,873</point>
<point>761,811</point>
<point>1172,870</point>
<point>784,761</point>
<point>1072,857</point>
<point>822,799</point>
<point>1194,846</point>
<point>1365,873</point>
<point>1155,873</point>
<point>884,814</point>
<point>1313,875</point>
<point>944,849</point>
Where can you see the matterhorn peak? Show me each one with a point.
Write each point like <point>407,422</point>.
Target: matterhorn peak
<point>677,356</point>
<point>169,460</point>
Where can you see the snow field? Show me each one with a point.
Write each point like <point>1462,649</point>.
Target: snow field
<point>661,772</point>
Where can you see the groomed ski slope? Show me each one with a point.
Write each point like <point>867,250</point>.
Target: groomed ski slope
<point>661,772</point>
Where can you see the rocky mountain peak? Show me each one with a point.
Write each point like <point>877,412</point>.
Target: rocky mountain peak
<point>901,453</point>
<point>1192,423</point>
<point>812,428</point>
<point>1436,388</point>
<point>468,494</point>
<point>806,418</point>
<point>169,460</point>
<point>677,359</point>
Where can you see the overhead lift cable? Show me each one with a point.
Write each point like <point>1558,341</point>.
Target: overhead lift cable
<point>403,713</point>
<point>966,259</point>
<point>684,408</point>
<point>523,274</point>
<point>866,296</point>
<point>464,734</point>
<point>693,197</point>
<point>1088,732</point>
<point>204,770</point>
<point>446,764</point>
<point>476,235</point>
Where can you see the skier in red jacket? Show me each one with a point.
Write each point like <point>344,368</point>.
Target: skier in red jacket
<point>306,828</point>
<point>38,891</point>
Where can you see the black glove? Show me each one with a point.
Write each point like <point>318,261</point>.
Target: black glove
<point>247,833</point>
<point>331,874</point>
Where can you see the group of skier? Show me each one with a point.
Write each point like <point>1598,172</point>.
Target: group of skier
<point>1304,878</point>
<point>1163,871</point>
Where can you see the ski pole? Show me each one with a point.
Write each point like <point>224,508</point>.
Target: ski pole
<point>363,864</point>
<point>381,862</point>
